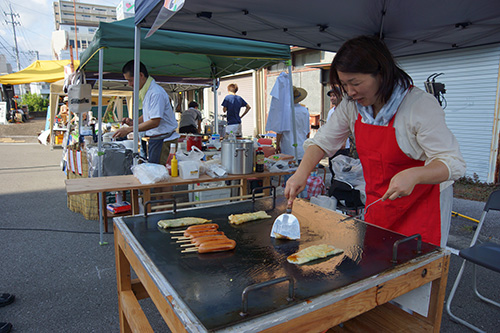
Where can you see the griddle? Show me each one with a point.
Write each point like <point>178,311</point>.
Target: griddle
<point>211,285</point>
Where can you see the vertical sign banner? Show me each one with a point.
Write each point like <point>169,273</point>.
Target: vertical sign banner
<point>3,113</point>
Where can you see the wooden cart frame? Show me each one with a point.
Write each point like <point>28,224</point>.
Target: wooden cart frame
<point>361,306</point>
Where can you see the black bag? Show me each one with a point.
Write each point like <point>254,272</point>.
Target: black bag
<point>116,161</point>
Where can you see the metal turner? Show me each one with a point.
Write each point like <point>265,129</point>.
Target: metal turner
<point>359,215</point>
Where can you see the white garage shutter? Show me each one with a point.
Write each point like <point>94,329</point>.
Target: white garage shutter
<point>245,90</point>
<point>470,78</point>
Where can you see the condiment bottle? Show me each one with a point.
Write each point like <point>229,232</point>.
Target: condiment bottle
<point>170,157</point>
<point>174,168</point>
<point>259,160</point>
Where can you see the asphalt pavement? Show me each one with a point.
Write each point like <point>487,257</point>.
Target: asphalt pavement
<point>64,281</point>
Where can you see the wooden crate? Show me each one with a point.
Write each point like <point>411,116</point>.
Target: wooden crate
<point>85,204</point>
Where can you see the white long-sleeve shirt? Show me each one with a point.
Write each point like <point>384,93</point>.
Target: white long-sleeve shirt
<point>421,132</point>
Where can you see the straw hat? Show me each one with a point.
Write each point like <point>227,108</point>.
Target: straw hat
<point>299,94</point>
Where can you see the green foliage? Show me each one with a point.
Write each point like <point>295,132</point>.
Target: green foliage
<point>35,102</point>
<point>471,188</point>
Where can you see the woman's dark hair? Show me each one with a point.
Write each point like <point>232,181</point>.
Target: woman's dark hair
<point>129,69</point>
<point>369,55</point>
<point>193,104</point>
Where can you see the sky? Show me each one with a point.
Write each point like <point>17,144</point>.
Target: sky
<point>34,31</point>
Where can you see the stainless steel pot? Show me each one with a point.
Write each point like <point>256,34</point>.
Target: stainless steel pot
<point>237,156</point>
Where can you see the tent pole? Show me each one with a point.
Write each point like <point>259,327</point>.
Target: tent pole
<point>292,104</point>
<point>216,114</point>
<point>137,60</point>
<point>99,145</point>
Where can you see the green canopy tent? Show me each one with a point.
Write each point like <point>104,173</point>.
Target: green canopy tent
<point>178,56</point>
<point>172,57</point>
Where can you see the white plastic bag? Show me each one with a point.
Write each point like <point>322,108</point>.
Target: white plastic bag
<point>348,169</point>
<point>150,173</point>
<point>195,156</point>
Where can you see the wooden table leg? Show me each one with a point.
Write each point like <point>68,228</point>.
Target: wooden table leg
<point>244,186</point>
<point>123,281</point>
<point>134,198</point>
<point>266,181</point>
<point>146,196</point>
<point>104,211</point>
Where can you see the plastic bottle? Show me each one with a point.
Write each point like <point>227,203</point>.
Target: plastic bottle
<point>259,160</point>
<point>170,157</point>
<point>174,168</point>
<point>232,137</point>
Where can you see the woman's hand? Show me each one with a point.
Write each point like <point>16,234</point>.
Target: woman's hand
<point>403,183</point>
<point>294,186</point>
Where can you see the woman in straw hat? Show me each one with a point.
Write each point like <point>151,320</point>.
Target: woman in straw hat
<point>284,140</point>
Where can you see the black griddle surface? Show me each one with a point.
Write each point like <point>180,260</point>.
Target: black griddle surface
<point>212,284</point>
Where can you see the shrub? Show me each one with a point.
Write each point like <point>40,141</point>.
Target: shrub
<point>35,102</point>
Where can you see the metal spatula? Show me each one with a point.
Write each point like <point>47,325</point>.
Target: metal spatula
<point>359,215</point>
<point>286,226</point>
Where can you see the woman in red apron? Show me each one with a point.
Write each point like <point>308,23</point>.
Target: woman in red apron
<point>408,154</point>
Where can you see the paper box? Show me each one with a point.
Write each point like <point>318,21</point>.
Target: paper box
<point>189,170</point>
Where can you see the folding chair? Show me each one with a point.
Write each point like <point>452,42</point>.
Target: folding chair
<point>485,255</point>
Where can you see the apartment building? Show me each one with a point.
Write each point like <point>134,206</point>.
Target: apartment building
<point>75,25</point>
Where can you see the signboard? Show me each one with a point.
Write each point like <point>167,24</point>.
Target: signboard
<point>3,113</point>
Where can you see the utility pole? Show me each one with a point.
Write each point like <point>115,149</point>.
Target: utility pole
<point>76,28</point>
<point>12,15</point>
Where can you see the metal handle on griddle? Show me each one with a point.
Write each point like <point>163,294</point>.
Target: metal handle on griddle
<point>264,188</point>
<point>174,209</point>
<point>247,290</point>
<point>396,244</point>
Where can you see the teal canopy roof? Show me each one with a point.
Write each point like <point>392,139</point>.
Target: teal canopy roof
<point>179,54</point>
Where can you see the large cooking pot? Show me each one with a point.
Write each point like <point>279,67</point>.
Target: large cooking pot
<point>237,156</point>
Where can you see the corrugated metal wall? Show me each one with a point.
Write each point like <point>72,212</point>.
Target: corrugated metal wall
<point>471,83</point>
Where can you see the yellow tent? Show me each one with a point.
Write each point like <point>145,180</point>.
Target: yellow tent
<point>39,71</point>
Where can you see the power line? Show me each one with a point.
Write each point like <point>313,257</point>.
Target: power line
<point>14,23</point>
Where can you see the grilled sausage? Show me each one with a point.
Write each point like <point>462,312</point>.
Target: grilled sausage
<point>198,233</point>
<point>204,239</point>
<point>202,233</point>
<point>217,246</point>
<point>201,227</point>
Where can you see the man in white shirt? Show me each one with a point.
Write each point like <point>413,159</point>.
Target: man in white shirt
<point>158,118</point>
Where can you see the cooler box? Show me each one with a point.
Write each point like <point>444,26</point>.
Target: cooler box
<point>209,195</point>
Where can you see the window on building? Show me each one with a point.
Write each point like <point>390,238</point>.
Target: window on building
<point>88,16</point>
<point>73,29</point>
<point>92,30</point>
<point>101,17</point>
<point>84,44</point>
<point>99,9</point>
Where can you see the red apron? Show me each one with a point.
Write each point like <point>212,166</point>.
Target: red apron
<point>381,159</point>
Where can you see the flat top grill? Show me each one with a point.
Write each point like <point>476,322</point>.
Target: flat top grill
<point>211,285</point>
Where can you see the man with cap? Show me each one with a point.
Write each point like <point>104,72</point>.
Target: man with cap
<point>284,140</point>
<point>334,101</point>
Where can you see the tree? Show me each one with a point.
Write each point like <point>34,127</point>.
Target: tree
<point>35,102</point>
